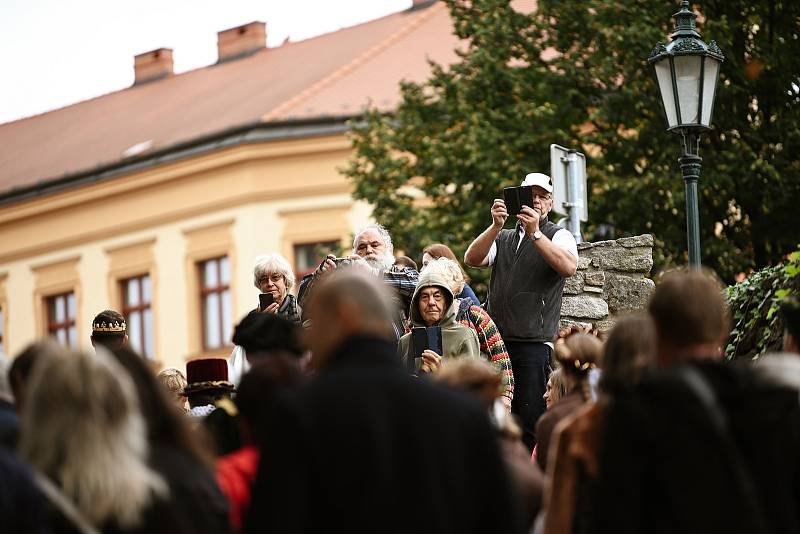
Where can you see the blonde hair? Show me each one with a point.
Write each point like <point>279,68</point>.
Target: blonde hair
<point>173,380</point>
<point>558,388</point>
<point>450,270</point>
<point>268,264</point>
<point>83,429</point>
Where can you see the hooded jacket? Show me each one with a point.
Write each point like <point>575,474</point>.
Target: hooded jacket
<point>457,340</point>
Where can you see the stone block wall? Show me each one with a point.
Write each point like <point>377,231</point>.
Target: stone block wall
<point>611,280</point>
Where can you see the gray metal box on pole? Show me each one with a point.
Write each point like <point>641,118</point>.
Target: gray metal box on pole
<point>568,172</point>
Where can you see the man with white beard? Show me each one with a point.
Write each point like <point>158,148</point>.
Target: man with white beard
<point>372,252</point>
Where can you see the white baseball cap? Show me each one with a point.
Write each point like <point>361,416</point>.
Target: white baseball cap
<point>539,179</point>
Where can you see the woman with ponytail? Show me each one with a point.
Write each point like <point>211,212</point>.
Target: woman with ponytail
<point>577,353</point>
<point>577,441</point>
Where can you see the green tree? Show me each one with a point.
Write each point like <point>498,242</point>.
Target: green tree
<point>479,125</point>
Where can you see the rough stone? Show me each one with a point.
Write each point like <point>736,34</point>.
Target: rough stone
<point>611,278</point>
<point>584,307</point>
<point>608,243</point>
<point>595,278</point>
<point>645,240</point>
<point>574,285</point>
<point>605,325</point>
<point>625,293</point>
<point>639,259</point>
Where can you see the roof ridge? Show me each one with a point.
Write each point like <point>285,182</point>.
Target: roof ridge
<point>185,72</point>
<point>342,71</point>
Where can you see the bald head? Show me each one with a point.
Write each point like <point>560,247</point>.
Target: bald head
<point>348,304</point>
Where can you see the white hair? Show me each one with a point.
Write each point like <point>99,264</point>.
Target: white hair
<point>448,269</point>
<point>269,264</point>
<point>82,428</point>
<point>387,239</point>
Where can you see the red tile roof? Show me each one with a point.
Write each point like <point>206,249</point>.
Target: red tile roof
<point>335,74</point>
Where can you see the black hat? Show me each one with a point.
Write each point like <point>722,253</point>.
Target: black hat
<point>267,332</point>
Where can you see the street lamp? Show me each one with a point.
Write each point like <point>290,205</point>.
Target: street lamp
<point>687,70</point>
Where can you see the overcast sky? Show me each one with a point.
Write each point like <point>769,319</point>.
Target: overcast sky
<point>58,52</point>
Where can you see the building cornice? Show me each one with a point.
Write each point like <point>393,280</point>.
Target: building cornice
<point>258,132</point>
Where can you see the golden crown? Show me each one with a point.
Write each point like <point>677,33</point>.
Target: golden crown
<point>116,326</point>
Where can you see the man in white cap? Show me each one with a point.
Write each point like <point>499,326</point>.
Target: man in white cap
<point>530,264</point>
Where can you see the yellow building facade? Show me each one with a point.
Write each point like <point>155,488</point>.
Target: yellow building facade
<point>163,222</point>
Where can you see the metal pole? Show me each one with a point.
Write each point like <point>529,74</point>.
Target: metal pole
<point>690,167</point>
<point>574,205</point>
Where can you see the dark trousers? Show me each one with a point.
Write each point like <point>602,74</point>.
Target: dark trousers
<point>530,363</point>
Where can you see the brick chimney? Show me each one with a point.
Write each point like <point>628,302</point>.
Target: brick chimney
<point>152,65</point>
<point>241,41</point>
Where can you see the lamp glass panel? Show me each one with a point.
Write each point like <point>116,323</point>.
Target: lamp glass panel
<point>709,88</point>
<point>664,77</point>
<point>687,76</point>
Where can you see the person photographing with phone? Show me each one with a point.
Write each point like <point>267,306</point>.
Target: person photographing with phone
<point>435,334</point>
<point>373,253</point>
<point>274,278</point>
<point>529,266</point>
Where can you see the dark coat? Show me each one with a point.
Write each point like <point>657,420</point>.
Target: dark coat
<point>367,448</point>
<point>546,425</point>
<point>195,505</point>
<point>673,463</point>
<point>9,426</point>
<point>22,506</point>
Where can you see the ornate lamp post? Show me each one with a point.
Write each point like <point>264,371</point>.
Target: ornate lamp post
<point>687,70</point>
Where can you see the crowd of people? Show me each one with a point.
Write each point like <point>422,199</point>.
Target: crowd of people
<point>383,398</point>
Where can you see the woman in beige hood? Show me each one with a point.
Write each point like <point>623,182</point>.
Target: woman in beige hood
<point>432,305</point>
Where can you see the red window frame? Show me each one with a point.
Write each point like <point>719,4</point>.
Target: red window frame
<point>53,326</point>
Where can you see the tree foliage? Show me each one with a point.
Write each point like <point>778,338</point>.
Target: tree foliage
<point>575,73</point>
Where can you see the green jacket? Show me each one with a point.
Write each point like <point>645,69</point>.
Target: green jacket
<point>457,340</point>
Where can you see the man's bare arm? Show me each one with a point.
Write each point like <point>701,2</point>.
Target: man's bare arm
<point>562,261</point>
<point>478,251</point>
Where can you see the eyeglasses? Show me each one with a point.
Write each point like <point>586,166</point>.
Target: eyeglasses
<point>541,197</point>
<point>275,278</point>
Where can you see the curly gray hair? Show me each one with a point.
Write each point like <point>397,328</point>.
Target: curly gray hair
<point>269,264</point>
<point>387,239</point>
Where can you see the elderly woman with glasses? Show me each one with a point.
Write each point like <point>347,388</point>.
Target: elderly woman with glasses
<point>272,275</point>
